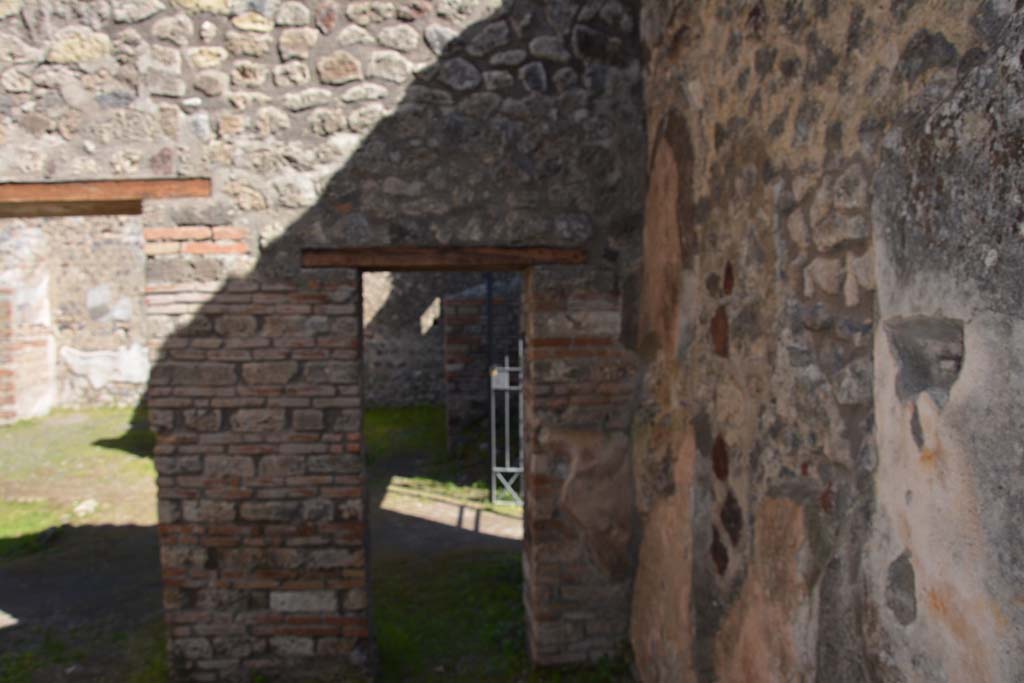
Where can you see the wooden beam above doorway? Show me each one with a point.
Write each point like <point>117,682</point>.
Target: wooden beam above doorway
<point>442,258</point>
<point>93,197</point>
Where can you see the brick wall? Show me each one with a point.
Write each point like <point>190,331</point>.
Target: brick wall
<point>467,383</point>
<point>578,525</point>
<point>257,405</point>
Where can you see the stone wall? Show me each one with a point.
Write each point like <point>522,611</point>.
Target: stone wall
<point>403,344</point>
<point>78,287</point>
<point>579,523</point>
<point>468,358</point>
<point>32,349</point>
<point>831,243</point>
<point>262,513</point>
<point>327,124</point>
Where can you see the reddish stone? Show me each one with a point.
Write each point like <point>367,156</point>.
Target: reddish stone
<point>720,333</point>
<point>720,459</point>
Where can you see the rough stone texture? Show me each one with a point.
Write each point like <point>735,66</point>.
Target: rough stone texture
<point>83,317</point>
<point>293,109</point>
<point>821,491</point>
<point>402,336</point>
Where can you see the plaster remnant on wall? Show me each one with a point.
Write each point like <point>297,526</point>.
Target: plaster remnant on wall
<point>130,364</point>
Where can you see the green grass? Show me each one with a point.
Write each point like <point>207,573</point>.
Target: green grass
<point>68,442</point>
<point>389,432</point>
<point>459,618</point>
<point>21,667</point>
<point>21,524</point>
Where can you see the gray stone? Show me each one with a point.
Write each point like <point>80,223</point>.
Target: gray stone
<point>331,372</point>
<point>271,121</point>
<point>78,44</point>
<point>327,120</point>
<point>296,191</point>
<point>363,92</point>
<point>206,57</point>
<point>177,29</point>
<point>296,43</point>
<point>208,31</point>
<point>926,50</point>
<point>534,77</point>
<point>366,13</point>
<point>307,99</point>
<point>211,83</point>
<point>498,80</point>
<point>293,13</point>
<point>291,73</point>
<point>900,590</point>
<point>489,39</point>
<point>249,74</point>
<point>401,37</point>
<point>257,420</point>
<point>838,228</point>
<point>389,66</point>
<point>165,85</point>
<point>365,117</point>
<point>244,43</point>
<point>551,48</point>
<point>459,74</point>
<point>276,372</point>
<point>131,11</point>
<point>355,35</point>
<point>291,646</point>
<point>438,37</point>
<point>304,601</point>
<point>508,58</point>
<point>455,8</point>
<point>14,81</point>
<point>252,21</point>
<point>339,67</point>
<point>162,58</point>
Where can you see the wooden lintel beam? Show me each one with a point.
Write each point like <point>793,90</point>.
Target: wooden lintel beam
<point>441,258</point>
<point>104,190</point>
<point>45,209</point>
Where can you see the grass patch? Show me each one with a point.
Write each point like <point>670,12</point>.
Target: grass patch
<point>459,618</point>
<point>22,524</point>
<point>21,667</point>
<point>69,457</point>
<point>391,432</point>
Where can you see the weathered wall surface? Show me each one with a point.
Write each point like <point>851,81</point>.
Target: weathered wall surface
<point>328,123</point>
<point>31,357</point>
<point>948,222</point>
<point>831,250</point>
<point>78,285</point>
<point>468,356</point>
<point>403,343</point>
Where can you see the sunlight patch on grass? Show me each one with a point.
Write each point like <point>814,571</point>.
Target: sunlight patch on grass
<point>69,457</point>
<point>21,524</point>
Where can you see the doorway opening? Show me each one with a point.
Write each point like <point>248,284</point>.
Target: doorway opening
<point>445,572</point>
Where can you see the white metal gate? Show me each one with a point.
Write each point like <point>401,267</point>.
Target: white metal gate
<point>507,443</point>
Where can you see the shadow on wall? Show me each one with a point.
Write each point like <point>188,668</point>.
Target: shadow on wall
<point>257,401</point>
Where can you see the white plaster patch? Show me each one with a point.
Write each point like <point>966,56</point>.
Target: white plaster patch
<point>126,364</point>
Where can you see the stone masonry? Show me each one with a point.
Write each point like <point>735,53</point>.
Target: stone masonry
<point>773,422</point>
<point>321,124</point>
<point>830,252</point>
<point>467,388</point>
